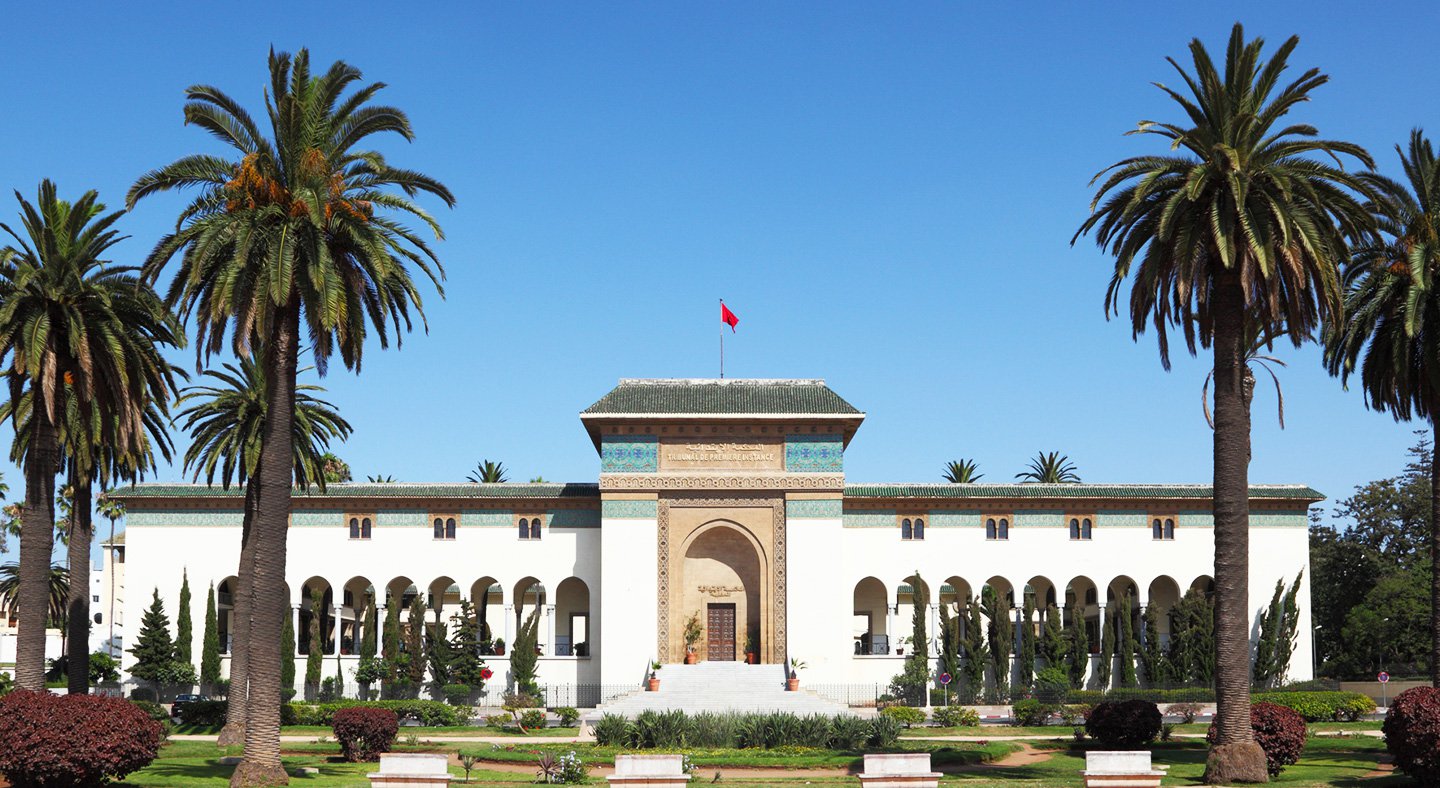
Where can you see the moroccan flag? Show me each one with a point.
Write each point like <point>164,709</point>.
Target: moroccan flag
<point>727,317</point>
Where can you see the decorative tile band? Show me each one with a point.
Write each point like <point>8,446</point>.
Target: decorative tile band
<point>814,454</point>
<point>629,454</point>
<point>628,510</point>
<point>870,518</point>
<point>573,518</point>
<point>814,509</point>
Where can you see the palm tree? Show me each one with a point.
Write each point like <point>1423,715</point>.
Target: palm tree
<point>227,425</point>
<point>1238,222</point>
<point>962,472</point>
<point>80,335</point>
<point>335,470</point>
<point>380,479</point>
<point>488,472</point>
<point>1052,468</point>
<point>1255,344</point>
<point>1392,317</point>
<point>299,227</point>
<point>111,509</point>
<point>57,581</point>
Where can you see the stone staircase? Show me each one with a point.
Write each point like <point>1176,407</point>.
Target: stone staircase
<point>721,687</point>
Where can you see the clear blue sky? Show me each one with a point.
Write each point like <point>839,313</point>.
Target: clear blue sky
<point>885,197</point>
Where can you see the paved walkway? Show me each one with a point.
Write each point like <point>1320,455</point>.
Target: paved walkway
<point>429,737</point>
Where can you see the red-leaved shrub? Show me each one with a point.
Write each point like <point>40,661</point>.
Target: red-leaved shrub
<point>1279,731</point>
<point>1124,724</point>
<point>58,741</point>
<point>365,733</point>
<point>1412,733</point>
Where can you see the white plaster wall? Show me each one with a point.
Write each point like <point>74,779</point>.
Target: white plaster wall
<point>818,610</point>
<point>628,601</point>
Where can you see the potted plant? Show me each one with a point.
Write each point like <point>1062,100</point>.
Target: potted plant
<point>693,633</point>
<point>652,682</point>
<point>750,655</point>
<point>900,646</point>
<point>793,683</point>
<point>499,647</point>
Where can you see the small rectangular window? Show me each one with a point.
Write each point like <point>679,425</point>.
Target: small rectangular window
<point>443,526</point>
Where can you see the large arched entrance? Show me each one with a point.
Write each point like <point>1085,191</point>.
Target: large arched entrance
<point>722,589</point>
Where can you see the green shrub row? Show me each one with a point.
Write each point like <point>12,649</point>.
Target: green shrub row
<point>432,713</point>
<point>672,729</point>
<point>1182,695</point>
<point>1321,706</point>
<point>955,716</point>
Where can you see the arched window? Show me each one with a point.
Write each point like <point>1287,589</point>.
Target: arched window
<point>1169,528</point>
<point>365,528</point>
<point>1090,597</point>
<point>354,527</point>
<point>1085,528</point>
<point>1156,529</point>
<point>1074,528</point>
<point>439,528</point>
<point>919,528</point>
<point>990,528</point>
<point>534,527</point>
<point>906,532</point>
<point>524,528</point>
<point>449,527</point>
<point>1004,528</point>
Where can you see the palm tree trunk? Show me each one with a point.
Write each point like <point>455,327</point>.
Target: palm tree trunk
<point>77,615</point>
<point>261,763</point>
<point>1235,757</point>
<point>37,540</point>
<point>1435,559</point>
<point>237,697</point>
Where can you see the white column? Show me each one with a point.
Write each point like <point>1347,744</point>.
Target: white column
<point>934,630</point>
<point>890,611</point>
<point>509,627</point>
<point>1104,622</point>
<point>550,630</point>
<point>339,627</point>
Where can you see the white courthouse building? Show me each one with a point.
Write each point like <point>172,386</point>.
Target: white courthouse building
<point>725,499</point>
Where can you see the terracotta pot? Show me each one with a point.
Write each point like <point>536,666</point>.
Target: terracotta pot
<point>792,684</point>
<point>652,685</point>
<point>750,658</point>
<point>691,658</point>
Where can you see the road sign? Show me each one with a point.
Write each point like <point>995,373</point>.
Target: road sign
<point>1384,677</point>
<point>944,679</point>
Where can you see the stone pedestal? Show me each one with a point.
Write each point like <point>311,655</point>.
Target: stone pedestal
<point>899,770</point>
<point>411,770</point>
<point>1121,769</point>
<point>667,771</point>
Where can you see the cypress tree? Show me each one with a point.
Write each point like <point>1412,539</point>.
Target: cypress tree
<point>372,622</point>
<point>1027,645</point>
<point>522,656</point>
<point>315,659</point>
<point>154,652</point>
<point>1001,631</point>
<point>287,652</point>
<point>395,659</point>
<point>1127,643</point>
<point>210,647</point>
<point>415,645</point>
<point>1053,646</point>
<point>949,643</point>
<point>1153,660</point>
<point>466,665</point>
<point>1078,648</point>
<point>1107,648</point>
<point>184,629</point>
<point>919,611</point>
<point>976,655</point>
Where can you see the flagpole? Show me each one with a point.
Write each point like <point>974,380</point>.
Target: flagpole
<point>722,341</point>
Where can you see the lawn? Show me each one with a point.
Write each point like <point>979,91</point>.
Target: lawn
<point>948,753</point>
<point>1196,728</point>
<point>421,731</point>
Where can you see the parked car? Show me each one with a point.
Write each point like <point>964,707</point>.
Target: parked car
<point>182,699</point>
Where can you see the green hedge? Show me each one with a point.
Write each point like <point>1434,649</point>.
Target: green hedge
<point>1183,695</point>
<point>1321,706</point>
<point>432,713</point>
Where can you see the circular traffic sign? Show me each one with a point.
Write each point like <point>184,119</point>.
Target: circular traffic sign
<point>944,678</point>
<point>1384,677</point>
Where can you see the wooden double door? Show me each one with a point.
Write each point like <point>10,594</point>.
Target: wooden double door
<point>720,631</point>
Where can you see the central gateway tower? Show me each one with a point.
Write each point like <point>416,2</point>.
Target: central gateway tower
<point>697,482</point>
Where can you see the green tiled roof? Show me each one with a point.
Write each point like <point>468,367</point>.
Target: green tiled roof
<point>721,397</point>
<point>1297,492</point>
<point>395,490</point>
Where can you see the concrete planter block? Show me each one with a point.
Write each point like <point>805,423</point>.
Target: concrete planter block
<point>899,770</point>
<point>658,770</point>
<point>1121,769</point>
<point>411,770</point>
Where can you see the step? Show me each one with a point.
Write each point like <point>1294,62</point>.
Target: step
<point>722,687</point>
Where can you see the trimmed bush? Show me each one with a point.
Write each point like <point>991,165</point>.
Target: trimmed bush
<point>1321,706</point>
<point>1125,724</point>
<point>1280,732</point>
<point>457,694</point>
<point>1412,733</point>
<point>569,716</point>
<point>210,713</point>
<point>432,713</point>
<point>905,715</point>
<point>364,733</point>
<point>956,717</point>
<point>532,718</point>
<point>1030,712</point>
<point>58,741</point>
<point>884,732</point>
<point>611,730</point>
<point>1187,712</point>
